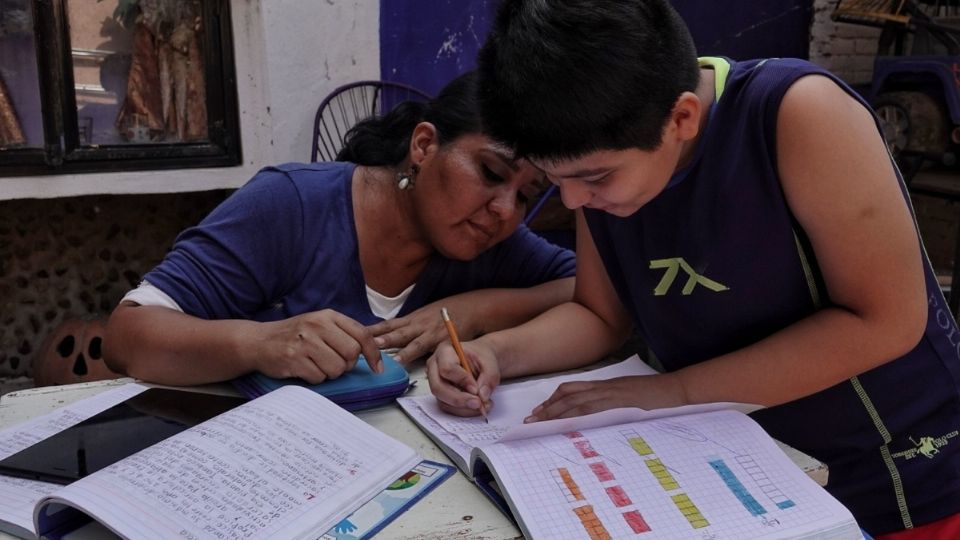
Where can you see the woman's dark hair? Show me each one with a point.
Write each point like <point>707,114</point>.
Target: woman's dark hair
<point>385,140</point>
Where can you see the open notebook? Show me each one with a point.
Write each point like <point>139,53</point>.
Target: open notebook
<point>688,472</point>
<point>290,464</point>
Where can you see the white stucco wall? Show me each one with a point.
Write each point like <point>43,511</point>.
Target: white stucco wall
<point>314,46</point>
<point>289,55</point>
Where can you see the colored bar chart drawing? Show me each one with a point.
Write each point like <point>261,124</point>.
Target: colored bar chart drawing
<point>603,473</point>
<point>764,483</point>
<point>591,523</point>
<point>690,511</point>
<point>568,486</point>
<point>586,450</point>
<point>737,487</point>
<point>639,445</point>
<point>618,496</point>
<point>662,474</point>
<point>636,522</point>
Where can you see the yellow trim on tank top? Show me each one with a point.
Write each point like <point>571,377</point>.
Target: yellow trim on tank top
<point>721,66</point>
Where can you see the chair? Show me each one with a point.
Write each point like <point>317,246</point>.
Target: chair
<point>350,103</point>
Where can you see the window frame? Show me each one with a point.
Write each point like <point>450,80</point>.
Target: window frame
<point>62,153</point>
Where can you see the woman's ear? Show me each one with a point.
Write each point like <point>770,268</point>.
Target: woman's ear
<point>423,142</point>
<point>685,117</point>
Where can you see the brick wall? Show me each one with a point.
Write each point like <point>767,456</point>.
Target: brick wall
<point>848,50</point>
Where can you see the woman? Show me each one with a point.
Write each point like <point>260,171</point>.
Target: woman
<point>309,265</point>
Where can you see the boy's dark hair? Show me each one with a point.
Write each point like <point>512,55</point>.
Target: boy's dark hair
<point>385,140</point>
<point>562,78</point>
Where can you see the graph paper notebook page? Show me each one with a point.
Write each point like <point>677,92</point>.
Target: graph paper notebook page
<point>713,475</point>
<point>290,464</point>
<point>550,467</point>
<point>458,436</point>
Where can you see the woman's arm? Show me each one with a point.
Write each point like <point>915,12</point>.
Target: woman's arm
<point>166,346</point>
<point>476,313</point>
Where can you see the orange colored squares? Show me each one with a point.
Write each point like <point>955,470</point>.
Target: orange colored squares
<point>572,489</point>
<point>591,523</point>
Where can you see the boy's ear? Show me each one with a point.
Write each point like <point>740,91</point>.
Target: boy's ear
<point>685,117</point>
<point>423,142</point>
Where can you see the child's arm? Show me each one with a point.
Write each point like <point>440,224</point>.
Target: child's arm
<point>570,335</point>
<point>841,186</point>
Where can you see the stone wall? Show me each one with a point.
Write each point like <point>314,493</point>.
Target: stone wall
<point>75,257</point>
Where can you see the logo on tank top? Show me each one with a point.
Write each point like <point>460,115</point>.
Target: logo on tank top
<point>927,447</point>
<point>673,267</point>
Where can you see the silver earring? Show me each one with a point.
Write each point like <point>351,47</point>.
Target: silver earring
<point>406,180</point>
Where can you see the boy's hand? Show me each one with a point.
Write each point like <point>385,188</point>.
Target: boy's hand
<point>587,397</point>
<point>454,388</point>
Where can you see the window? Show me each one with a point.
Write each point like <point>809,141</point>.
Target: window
<point>106,85</point>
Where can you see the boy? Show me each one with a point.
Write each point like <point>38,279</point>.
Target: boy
<point>748,219</point>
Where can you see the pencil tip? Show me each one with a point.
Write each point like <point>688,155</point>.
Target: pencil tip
<point>444,314</point>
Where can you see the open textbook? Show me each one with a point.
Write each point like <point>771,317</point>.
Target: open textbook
<point>704,472</point>
<point>290,464</point>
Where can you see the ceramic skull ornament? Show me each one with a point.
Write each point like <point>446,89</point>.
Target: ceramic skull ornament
<point>72,353</point>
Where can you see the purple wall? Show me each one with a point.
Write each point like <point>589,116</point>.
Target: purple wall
<point>428,43</point>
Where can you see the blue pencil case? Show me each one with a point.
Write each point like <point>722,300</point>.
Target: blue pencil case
<point>357,389</point>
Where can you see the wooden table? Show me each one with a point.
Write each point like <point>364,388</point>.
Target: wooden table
<point>456,509</point>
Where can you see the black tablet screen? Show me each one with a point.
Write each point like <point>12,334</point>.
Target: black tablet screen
<point>122,430</point>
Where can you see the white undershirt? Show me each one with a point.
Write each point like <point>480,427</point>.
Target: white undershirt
<point>385,307</point>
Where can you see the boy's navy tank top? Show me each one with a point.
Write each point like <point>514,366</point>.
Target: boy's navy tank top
<point>717,261</point>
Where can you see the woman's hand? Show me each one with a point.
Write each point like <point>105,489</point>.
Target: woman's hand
<point>315,346</point>
<point>418,334</point>
<point>586,397</point>
<point>455,389</point>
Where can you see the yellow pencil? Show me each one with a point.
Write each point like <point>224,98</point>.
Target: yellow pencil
<point>463,358</point>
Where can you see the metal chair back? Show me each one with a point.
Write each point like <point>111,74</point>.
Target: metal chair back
<point>348,105</point>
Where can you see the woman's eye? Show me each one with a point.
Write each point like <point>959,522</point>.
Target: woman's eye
<point>490,175</point>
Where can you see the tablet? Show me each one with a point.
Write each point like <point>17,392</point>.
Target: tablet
<point>109,436</point>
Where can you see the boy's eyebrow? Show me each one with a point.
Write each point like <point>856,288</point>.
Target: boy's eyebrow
<point>581,173</point>
<point>587,172</point>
